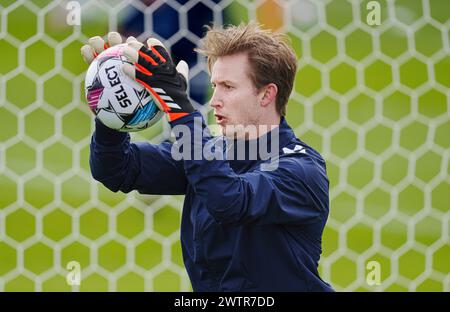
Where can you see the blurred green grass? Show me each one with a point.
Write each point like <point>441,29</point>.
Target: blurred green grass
<point>396,138</point>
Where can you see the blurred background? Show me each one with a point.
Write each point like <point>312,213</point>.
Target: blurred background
<point>374,100</point>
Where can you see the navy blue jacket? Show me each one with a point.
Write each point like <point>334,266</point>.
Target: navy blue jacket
<point>242,228</point>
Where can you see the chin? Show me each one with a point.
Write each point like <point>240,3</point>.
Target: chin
<point>229,133</point>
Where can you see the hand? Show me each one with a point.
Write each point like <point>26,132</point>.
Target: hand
<point>154,69</point>
<point>96,45</point>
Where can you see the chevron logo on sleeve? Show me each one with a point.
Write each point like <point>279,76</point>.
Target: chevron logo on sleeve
<point>297,149</point>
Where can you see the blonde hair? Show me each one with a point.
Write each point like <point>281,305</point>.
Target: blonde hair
<point>271,58</point>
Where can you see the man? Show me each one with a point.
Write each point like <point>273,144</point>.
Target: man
<point>244,227</point>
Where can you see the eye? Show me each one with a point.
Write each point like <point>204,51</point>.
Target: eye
<point>228,87</point>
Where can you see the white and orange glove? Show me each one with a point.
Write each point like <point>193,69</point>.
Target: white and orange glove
<point>154,69</point>
<point>97,45</point>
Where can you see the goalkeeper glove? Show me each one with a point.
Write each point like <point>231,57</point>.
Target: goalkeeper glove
<point>155,70</point>
<point>97,45</point>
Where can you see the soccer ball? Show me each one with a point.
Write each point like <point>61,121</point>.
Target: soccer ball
<point>118,101</point>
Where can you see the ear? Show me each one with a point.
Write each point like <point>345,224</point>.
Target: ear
<point>268,94</point>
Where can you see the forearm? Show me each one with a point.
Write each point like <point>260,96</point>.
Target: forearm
<point>147,168</point>
<point>110,153</point>
<point>212,178</point>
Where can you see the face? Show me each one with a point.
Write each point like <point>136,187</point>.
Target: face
<point>235,99</point>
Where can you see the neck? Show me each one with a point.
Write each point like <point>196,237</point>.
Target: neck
<point>264,125</point>
<point>254,129</point>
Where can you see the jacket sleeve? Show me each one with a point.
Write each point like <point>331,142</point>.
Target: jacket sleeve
<point>124,166</point>
<point>294,193</point>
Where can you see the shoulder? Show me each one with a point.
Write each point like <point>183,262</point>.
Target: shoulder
<point>299,155</point>
<point>299,160</point>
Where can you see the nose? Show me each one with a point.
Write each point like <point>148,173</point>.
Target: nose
<point>215,100</point>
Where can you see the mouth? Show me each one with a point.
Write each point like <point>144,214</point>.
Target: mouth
<point>220,119</point>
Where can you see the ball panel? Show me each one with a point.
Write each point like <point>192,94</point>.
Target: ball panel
<point>93,97</point>
<point>91,74</point>
<point>104,102</point>
<point>110,119</point>
<point>143,113</point>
